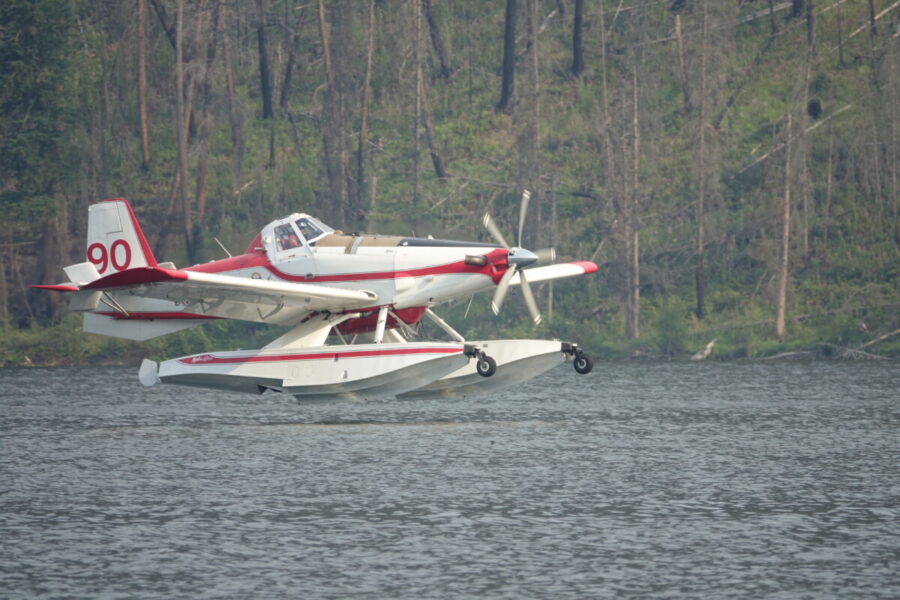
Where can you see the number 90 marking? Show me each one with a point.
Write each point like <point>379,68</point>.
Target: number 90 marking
<point>119,254</point>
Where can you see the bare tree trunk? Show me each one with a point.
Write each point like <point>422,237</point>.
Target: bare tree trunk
<point>781,300</point>
<point>577,42</point>
<point>294,46</point>
<point>682,68</point>
<point>872,29</point>
<point>326,47</point>
<point>187,226</point>
<point>509,59</point>
<point>4,293</point>
<point>205,100</point>
<point>700,275</point>
<point>892,85</point>
<point>772,21</point>
<point>417,122</point>
<point>826,225</point>
<point>436,159</point>
<point>265,77</point>
<point>335,155</point>
<point>142,86</point>
<point>535,117</point>
<point>810,28</point>
<point>49,263</point>
<point>362,151</point>
<point>634,293</point>
<point>436,40</point>
<point>607,121</point>
<point>342,26</point>
<point>234,117</point>
<point>160,9</point>
<point>840,36</point>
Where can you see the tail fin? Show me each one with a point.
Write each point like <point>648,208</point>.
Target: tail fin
<point>115,241</point>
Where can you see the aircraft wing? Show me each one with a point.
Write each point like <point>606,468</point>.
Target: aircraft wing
<point>559,271</point>
<point>217,295</point>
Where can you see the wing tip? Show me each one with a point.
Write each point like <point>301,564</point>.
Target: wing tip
<point>62,287</point>
<point>586,265</point>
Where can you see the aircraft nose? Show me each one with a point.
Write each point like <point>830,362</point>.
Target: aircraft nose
<point>521,258</point>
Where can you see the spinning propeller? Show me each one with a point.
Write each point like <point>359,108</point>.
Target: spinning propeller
<point>518,259</point>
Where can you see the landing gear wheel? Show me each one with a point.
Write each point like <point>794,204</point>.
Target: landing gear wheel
<point>583,363</point>
<point>486,366</point>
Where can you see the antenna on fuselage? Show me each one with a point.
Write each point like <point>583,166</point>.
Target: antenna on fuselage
<point>222,247</point>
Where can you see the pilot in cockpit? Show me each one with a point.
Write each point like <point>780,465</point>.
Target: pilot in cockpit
<point>286,237</point>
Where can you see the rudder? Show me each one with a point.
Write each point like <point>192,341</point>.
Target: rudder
<point>115,241</point>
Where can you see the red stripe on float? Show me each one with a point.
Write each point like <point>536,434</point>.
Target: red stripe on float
<point>209,359</point>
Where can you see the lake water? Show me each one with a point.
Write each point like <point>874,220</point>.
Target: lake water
<point>640,480</point>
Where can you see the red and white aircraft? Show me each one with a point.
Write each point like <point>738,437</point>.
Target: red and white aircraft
<point>299,272</point>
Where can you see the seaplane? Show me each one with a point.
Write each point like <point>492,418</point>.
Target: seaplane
<point>351,304</point>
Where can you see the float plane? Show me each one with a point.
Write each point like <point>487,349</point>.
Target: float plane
<point>351,302</point>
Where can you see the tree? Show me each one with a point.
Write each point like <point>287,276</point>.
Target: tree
<point>362,151</point>
<point>293,48</point>
<point>205,101</point>
<point>700,274</point>
<point>265,76</point>
<point>142,85</point>
<point>181,127</point>
<point>436,40</point>
<point>509,59</point>
<point>36,121</point>
<point>577,43</point>
<point>781,298</point>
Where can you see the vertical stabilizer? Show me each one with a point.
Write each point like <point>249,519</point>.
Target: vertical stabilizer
<point>115,241</point>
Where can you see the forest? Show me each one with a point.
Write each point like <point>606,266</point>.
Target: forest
<point>730,165</point>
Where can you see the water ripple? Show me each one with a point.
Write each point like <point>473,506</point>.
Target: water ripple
<point>664,480</point>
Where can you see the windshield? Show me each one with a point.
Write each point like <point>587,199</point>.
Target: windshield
<point>312,229</point>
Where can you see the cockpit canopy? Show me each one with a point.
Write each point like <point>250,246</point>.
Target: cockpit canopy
<point>294,230</point>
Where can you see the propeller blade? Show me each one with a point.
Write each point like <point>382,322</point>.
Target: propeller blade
<point>502,288</point>
<point>523,212</point>
<point>494,230</point>
<point>529,299</point>
<point>546,255</point>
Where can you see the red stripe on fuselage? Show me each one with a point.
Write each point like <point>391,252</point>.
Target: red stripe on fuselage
<point>209,359</point>
<point>495,267</point>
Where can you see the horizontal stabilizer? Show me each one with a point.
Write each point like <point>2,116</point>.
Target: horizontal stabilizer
<point>82,273</point>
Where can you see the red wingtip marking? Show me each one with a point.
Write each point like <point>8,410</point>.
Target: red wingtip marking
<point>56,288</point>
<point>587,265</point>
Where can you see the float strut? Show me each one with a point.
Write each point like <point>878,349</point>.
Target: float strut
<point>379,326</point>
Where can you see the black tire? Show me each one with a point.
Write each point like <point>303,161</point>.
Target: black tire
<point>486,366</point>
<point>583,363</point>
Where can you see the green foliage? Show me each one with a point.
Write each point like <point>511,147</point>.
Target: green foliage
<point>69,135</point>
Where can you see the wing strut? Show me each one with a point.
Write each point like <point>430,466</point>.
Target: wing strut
<point>107,299</point>
<point>445,326</point>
